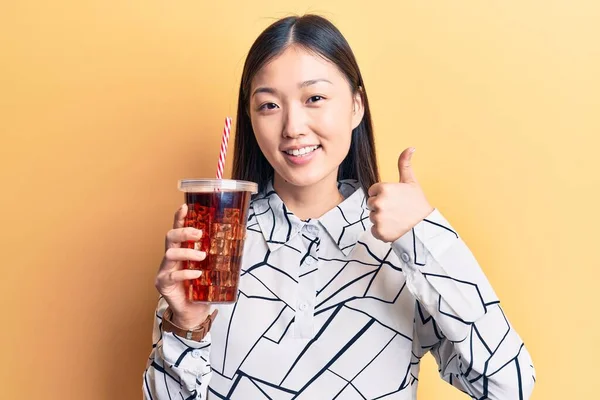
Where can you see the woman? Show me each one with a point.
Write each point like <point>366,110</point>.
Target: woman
<point>346,282</point>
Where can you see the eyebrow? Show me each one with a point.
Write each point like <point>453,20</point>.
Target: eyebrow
<point>313,81</point>
<point>264,89</point>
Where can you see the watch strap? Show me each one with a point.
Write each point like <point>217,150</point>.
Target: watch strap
<point>197,333</point>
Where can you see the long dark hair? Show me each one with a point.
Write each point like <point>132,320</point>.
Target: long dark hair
<point>320,36</point>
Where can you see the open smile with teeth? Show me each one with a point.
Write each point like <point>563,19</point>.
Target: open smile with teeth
<point>303,151</point>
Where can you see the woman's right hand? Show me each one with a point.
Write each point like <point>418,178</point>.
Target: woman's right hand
<point>171,274</point>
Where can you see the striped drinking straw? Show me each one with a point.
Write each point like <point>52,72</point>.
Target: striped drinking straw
<point>223,152</point>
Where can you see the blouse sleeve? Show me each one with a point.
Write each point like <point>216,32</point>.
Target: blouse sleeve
<point>458,315</point>
<point>177,368</point>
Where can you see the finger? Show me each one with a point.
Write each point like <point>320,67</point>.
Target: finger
<point>405,166</point>
<point>372,204</point>
<point>175,277</point>
<point>180,214</point>
<point>375,233</point>
<point>375,189</point>
<point>374,217</point>
<point>180,235</point>
<point>180,254</point>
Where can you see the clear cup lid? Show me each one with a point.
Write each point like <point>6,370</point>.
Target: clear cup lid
<point>210,185</point>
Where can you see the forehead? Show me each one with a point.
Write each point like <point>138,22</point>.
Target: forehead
<point>296,65</point>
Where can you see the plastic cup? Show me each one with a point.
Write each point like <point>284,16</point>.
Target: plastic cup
<point>218,207</point>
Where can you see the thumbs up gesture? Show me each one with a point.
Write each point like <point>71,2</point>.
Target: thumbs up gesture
<point>397,207</point>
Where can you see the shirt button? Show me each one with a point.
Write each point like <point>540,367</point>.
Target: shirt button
<point>196,353</point>
<point>302,306</point>
<point>309,261</point>
<point>405,257</point>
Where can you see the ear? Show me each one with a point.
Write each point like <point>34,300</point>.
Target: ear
<point>358,108</point>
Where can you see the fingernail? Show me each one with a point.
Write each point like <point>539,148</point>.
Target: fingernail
<point>412,150</point>
<point>201,253</point>
<point>197,232</point>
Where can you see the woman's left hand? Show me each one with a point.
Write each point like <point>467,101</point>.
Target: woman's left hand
<point>397,207</point>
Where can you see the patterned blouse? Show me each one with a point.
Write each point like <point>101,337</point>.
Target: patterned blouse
<point>326,311</point>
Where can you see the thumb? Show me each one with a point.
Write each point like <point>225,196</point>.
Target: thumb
<point>405,167</point>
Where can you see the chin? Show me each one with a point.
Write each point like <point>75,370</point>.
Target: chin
<point>302,179</point>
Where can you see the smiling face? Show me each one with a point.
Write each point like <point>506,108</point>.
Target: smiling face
<point>303,112</point>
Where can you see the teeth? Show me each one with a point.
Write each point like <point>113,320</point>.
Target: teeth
<point>302,151</point>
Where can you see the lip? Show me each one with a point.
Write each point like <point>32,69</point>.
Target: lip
<point>295,160</point>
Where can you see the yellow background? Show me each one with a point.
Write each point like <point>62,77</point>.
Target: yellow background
<point>105,104</point>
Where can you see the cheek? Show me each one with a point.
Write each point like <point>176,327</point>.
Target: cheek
<point>266,133</point>
<point>336,129</point>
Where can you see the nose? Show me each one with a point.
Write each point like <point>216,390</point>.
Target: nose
<point>295,122</point>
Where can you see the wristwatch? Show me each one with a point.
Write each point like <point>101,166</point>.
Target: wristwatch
<point>198,333</point>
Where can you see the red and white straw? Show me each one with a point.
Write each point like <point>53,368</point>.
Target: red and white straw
<point>223,152</point>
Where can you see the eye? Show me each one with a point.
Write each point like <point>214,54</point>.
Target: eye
<point>268,106</point>
<point>314,99</point>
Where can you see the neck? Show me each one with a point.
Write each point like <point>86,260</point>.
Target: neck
<point>309,201</point>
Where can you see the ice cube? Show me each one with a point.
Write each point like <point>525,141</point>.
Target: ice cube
<point>221,231</point>
<point>220,246</point>
<point>192,214</point>
<point>221,263</point>
<point>226,279</point>
<point>231,215</point>
<point>202,227</point>
<point>235,232</point>
<point>202,210</point>
<point>189,222</point>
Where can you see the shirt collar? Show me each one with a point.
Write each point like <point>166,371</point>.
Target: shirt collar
<point>344,223</point>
